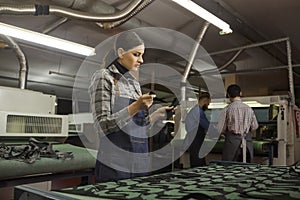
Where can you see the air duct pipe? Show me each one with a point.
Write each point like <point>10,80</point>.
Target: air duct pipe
<point>121,21</point>
<point>99,7</point>
<point>90,6</point>
<point>69,13</point>
<point>109,18</point>
<point>23,73</point>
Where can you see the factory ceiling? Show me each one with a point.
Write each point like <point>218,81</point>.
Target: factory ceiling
<point>260,71</point>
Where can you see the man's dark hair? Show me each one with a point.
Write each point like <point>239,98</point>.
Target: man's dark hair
<point>203,95</point>
<point>233,91</point>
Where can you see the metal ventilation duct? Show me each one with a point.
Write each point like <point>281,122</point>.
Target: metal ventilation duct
<point>120,16</point>
<point>23,72</point>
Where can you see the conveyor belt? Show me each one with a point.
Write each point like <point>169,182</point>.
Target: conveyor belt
<point>261,148</point>
<point>83,159</point>
<point>211,182</point>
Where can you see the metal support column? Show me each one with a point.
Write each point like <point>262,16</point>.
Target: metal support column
<point>183,82</point>
<point>291,77</point>
<point>192,58</point>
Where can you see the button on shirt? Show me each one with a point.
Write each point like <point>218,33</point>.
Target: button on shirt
<point>238,118</point>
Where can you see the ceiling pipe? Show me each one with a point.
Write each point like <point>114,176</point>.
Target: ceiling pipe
<point>225,66</point>
<point>289,59</point>
<point>121,21</point>
<point>74,4</point>
<point>249,46</point>
<point>91,6</point>
<point>41,83</point>
<point>98,7</point>
<point>264,69</point>
<point>221,9</point>
<point>55,25</point>
<point>23,73</point>
<point>230,60</point>
<point>108,18</point>
<point>257,70</point>
<point>17,9</point>
<point>69,13</point>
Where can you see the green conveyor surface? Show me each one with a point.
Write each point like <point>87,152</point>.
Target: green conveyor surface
<point>83,159</point>
<point>258,146</point>
<point>210,182</point>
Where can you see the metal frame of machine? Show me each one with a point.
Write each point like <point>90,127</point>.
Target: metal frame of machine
<point>287,135</point>
<point>32,114</point>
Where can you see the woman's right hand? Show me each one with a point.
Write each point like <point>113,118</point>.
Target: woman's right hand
<point>145,101</point>
<point>142,103</point>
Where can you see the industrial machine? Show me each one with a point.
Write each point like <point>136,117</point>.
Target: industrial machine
<point>82,131</point>
<point>78,122</point>
<point>26,113</point>
<point>278,134</point>
<point>276,141</point>
<point>29,116</point>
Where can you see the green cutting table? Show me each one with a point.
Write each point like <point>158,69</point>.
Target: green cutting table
<point>216,181</point>
<point>14,172</point>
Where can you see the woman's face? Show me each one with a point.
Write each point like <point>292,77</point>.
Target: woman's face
<point>133,58</point>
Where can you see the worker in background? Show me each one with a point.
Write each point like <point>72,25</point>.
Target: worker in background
<point>196,125</point>
<point>120,112</point>
<point>237,120</point>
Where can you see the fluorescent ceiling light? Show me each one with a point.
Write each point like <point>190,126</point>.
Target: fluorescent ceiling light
<point>204,14</point>
<point>45,40</point>
<point>256,104</point>
<point>217,105</point>
<point>253,104</point>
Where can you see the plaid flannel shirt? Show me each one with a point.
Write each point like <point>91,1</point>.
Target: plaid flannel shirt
<point>106,84</point>
<point>238,118</point>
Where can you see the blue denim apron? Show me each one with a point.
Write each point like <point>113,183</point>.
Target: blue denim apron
<point>132,138</point>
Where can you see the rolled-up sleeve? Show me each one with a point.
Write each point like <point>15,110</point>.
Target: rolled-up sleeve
<point>254,123</point>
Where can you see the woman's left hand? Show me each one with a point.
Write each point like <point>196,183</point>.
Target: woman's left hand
<point>160,113</point>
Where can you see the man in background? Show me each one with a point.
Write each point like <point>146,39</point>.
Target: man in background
<point>237,120</point>
<point>196,125</point>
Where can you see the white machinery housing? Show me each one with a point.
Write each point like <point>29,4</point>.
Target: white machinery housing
<point>33,125</point>
<point>26,113</point>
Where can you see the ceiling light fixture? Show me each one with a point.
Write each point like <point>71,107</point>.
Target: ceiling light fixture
<point>45,40</point>
<point>204,14</point>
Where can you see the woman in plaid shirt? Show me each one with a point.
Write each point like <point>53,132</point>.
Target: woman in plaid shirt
<point>120,112</point>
